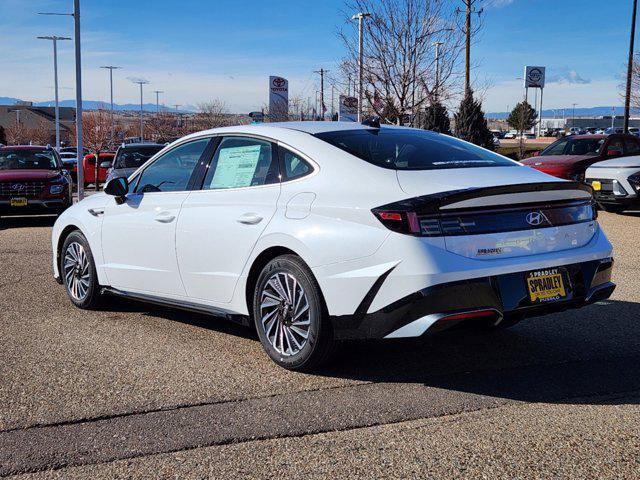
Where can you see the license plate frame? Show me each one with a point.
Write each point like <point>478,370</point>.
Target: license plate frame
<point>547,285</point>
<point>18,202</point>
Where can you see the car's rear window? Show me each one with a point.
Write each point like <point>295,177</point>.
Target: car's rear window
<point>407,149</point>
<point>134,157</point>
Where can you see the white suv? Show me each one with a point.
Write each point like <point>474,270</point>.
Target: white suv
<point>315,232</point>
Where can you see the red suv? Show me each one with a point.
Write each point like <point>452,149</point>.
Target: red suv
<point>570,157</point>
<point>32,181</point>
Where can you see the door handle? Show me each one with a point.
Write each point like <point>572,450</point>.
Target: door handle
<point>250,218</point>
<point>165,217</point>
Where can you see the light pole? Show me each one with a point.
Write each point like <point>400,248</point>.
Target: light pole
<point>78,58</point>
<point>111,68</point>
<point>141,82</point>
<point>360,16</point>
<point>158,92</point>
<point>627,98</point>
<point>573,115</point>
<point>437,89</point>
<point>55,39</point>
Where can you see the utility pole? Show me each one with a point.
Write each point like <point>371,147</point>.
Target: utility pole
<point>467,68</point>
<point>55,39</point>
<point>322,71</point>
<point>627,99</point>
<point>360,16</point>
<point>573,115</point>
<point>158,92</point>
<point>437,87</point>
<point>141,82</point>
<point>111,68</point>
<point>333,88</point>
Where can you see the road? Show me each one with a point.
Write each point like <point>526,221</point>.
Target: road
<point>135,391</point>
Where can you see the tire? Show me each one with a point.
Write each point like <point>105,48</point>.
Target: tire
<point>78,272</point>
<point>613,208</point>
<point>282,321</point>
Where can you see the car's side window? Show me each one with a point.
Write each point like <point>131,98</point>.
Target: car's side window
<point>294,165</point>
<point>242,162</point>
<point>171,172</point>
<point>631,146</point>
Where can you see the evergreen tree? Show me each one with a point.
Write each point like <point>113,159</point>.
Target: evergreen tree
<point>522,117</point>
<point>436,119</point>
<point>471,124</point>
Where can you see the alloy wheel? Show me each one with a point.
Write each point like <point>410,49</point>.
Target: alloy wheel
<point>76,271</point>
<point>284,313</point>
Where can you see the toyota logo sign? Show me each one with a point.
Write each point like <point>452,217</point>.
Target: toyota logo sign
<point>17,187</point>
<point>278,82</point>
<point>536,218</point>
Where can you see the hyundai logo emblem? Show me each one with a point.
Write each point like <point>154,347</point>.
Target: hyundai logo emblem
<point>17,187</point>
<point>536,218</point>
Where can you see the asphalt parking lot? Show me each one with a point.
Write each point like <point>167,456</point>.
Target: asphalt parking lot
<point>135,391</point>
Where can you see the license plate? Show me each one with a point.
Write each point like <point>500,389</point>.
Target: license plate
<point>18,202</point>
<point>596,185</point>
<point>546,285</point>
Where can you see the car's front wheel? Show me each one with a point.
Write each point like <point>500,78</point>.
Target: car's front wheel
<point>79,272</point>
<point>290,316</point>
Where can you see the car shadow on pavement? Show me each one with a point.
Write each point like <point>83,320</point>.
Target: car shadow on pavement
<point>558,358</point>
<point>27,222</point>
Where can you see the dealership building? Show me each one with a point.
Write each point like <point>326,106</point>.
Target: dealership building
<point>32,117</point>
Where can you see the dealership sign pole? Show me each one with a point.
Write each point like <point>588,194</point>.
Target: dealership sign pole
<point>278,98</point>
<point>534,78</point>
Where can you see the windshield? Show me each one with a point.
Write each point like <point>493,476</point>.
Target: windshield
<point>134,157</point>
<point>406,149</point>
<point>579,146</point>
<point>27,160</point>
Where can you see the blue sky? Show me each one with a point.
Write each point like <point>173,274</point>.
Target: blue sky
<point>196,50</point>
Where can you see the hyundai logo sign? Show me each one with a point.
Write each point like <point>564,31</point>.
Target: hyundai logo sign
<point>17,187</point>
<point>536,218</point>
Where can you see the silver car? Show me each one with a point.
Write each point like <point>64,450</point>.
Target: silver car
<point>616,183</point>
<point>130,157</point>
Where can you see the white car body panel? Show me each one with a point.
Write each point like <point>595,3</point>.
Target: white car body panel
<point>204,255</point>
<point>619,170</point>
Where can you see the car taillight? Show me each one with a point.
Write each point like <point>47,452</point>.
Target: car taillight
<point>407,218</point>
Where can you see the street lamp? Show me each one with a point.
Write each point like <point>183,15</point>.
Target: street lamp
<point>573,115</point>
<point>141,82</point>
<point>76,31</point>
<point>111,68</point>
<point>55,39</point>
<point>158,92</point>
<point>360,16</point>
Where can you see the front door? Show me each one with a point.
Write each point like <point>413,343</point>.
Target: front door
<point>138,236</point>
<point>220,224</point>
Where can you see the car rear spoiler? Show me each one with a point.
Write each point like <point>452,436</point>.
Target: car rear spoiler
<point>520,195</point>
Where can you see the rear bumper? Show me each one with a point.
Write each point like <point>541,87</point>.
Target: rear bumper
<point>35,207</point>
<point>427,310</point>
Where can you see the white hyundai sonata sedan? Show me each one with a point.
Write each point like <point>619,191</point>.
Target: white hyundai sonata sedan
<point>316,232</point>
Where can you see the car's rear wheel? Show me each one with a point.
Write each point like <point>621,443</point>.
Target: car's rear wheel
<point>290,316</point>
<point>78,272</point>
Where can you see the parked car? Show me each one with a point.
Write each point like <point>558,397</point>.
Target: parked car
<point>33,181</point>
<point>89,167</point>
<point>569,157</point>
<point>498,134</point>
<point>611,130</point>
<point>130,157</point>
<point>616,183</point>
<point>601,131</point>
<point>634,131</point>
<point>272,224</point>
<point>576,131</point>
<point>511,134</point>
<point>590,130</point>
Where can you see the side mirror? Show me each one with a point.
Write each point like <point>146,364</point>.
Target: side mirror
<point>613,153</point>
<point>117,187</point>
<point>106,164</point>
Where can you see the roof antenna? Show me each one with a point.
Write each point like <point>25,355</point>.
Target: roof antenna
<point>373,122</point>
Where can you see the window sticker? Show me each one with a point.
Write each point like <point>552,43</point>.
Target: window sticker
<point>236,167</point>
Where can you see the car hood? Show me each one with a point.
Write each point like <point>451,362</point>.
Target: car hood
<point>555,160</point>
<point>27,175</point>
<point>425,182</point>
<point>622,162</point>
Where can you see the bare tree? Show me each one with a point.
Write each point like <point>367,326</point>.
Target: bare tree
<point>211,114</point>
<point>40,133</point>
<point>635,83</point>
<point>17,133</point>
<point>399,54</point>
<point>163,126</point>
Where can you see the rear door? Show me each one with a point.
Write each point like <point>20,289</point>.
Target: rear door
<point>220,224</point>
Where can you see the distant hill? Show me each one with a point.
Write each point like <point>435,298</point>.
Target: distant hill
<point>568,112</point>
<point>94,105</point>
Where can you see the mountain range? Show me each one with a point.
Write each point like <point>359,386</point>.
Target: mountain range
<point>95,104</point>
<point>567,112</point>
